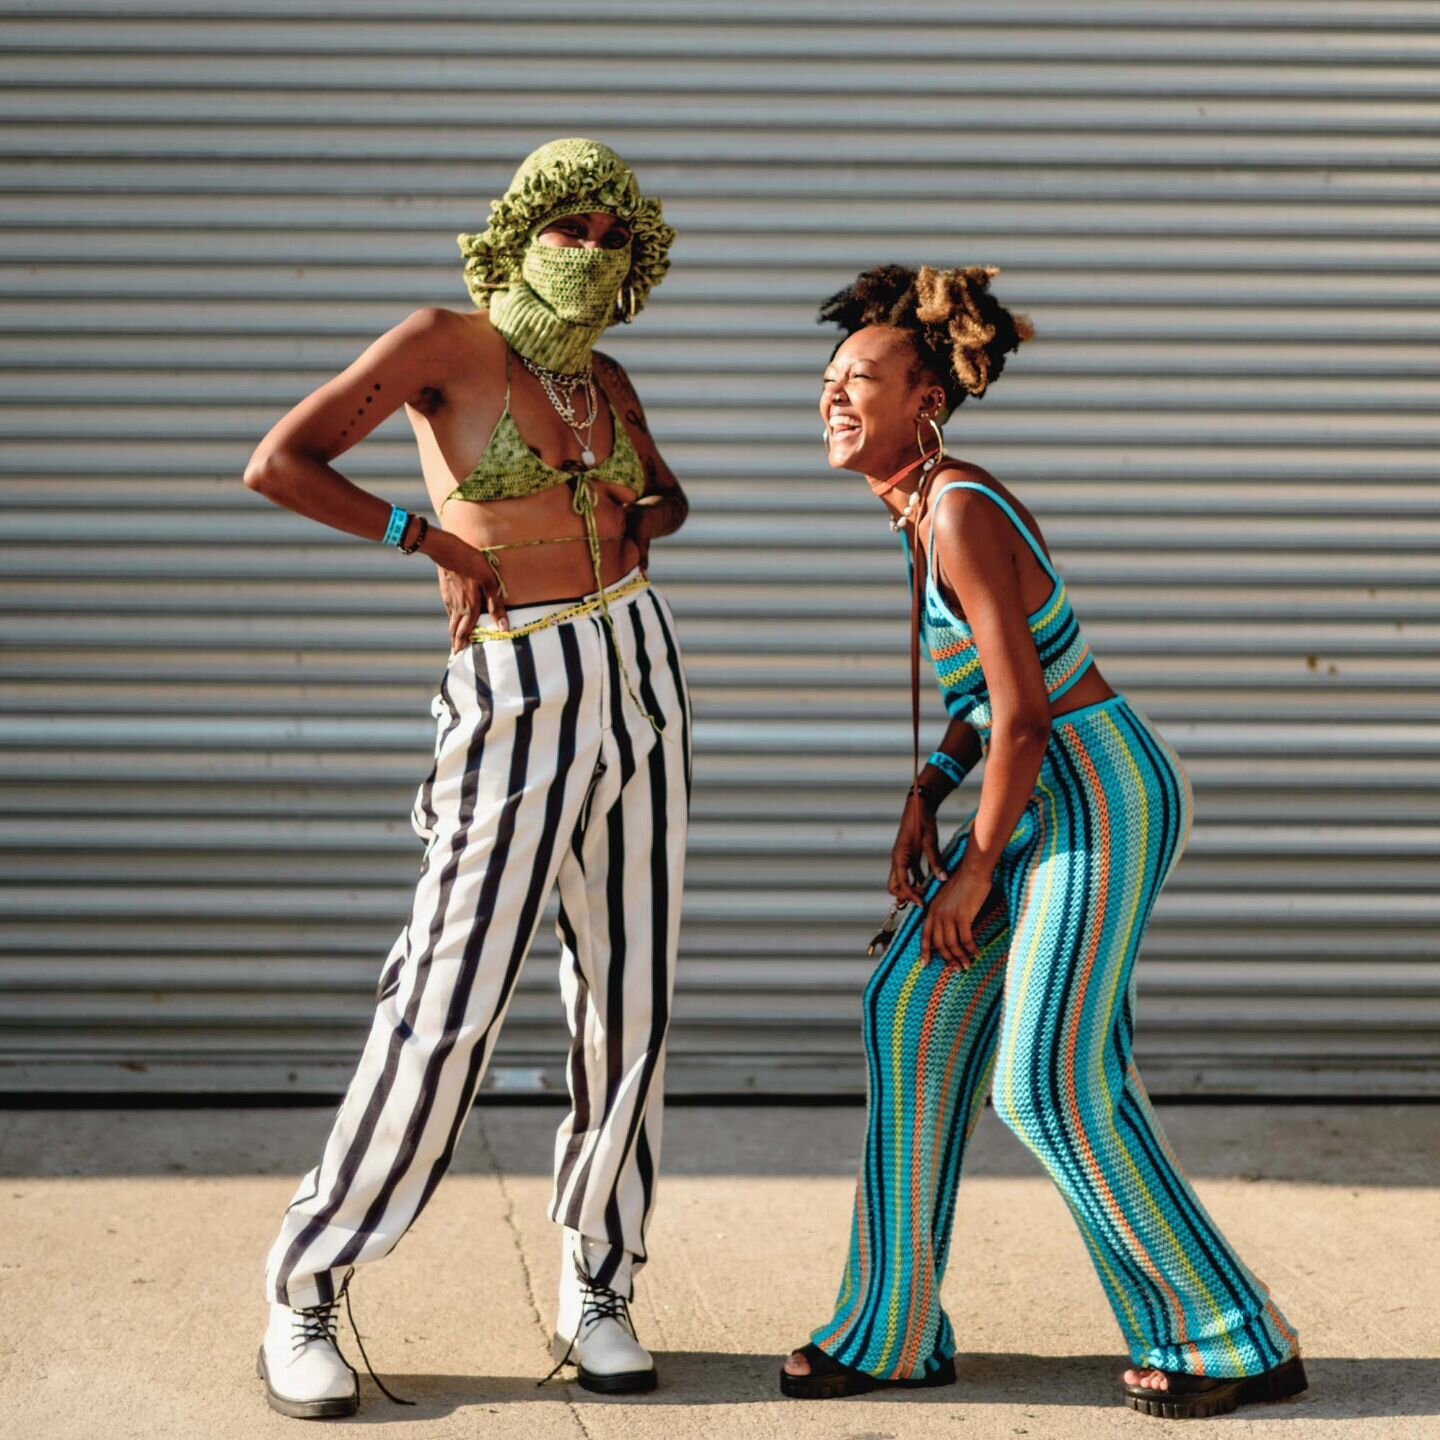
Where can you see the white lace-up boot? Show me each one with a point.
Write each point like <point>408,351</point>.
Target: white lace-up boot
<point>305,1375</point>
<point>593,1327</point>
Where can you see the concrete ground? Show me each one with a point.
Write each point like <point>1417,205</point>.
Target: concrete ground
<point>131,1244</point>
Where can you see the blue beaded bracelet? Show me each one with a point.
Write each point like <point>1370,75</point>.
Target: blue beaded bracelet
<point>948,765</point>
<point>395,530</point>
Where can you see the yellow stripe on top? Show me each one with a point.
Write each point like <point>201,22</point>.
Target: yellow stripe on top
<point>1059,643</point>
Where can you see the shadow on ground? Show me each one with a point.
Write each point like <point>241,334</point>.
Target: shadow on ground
<point>1339,1389</point>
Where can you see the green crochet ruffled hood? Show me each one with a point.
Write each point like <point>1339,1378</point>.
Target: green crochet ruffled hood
<point>567,177</point>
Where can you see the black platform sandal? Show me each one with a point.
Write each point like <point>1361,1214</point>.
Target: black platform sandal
<point>830,1380</point>
<point>1194,1397</point>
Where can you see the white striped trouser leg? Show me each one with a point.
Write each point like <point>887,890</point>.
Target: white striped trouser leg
<point>619,926</point>
<point>519,738</point>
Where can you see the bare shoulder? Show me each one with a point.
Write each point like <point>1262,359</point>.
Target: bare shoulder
<point>616,378</point>
<point>972,528</point>
<point>966,516</point>
<point>435,353</point>
<point>621,390</point>
<point>608,363</point>
<point>434,326</point>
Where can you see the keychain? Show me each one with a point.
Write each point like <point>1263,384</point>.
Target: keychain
<point>886,933</point>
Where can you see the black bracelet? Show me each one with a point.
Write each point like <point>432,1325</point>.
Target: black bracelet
<point>422,530</point>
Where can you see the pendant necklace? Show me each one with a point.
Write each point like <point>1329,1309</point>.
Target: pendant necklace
<point>553,382</point>
<point>908,515</point>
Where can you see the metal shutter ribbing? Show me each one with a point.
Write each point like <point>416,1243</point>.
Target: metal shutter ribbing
<point>1224,226</point>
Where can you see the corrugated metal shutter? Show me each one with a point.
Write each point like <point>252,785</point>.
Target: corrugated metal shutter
<point>1223,220</point>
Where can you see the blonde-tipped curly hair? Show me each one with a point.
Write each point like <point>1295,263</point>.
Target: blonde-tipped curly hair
<point>962,332</point>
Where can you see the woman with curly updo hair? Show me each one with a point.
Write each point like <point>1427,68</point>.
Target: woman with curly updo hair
<point>1009,967</point>
<point>562,756</point>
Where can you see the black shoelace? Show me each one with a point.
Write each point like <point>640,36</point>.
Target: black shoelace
<point>597,1302</point>
<point>320,1322</point>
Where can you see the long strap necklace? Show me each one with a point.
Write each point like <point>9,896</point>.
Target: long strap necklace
<point>553,382</point>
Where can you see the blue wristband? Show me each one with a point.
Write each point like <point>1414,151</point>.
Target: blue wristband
<point>948,765</point>
<point>395,530</point>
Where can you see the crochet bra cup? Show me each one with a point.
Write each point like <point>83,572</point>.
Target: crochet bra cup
<point>1062,649</point>
<point>510,469</point>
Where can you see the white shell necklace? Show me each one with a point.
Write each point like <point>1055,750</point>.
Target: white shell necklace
<point>553,382</point>
<point>911,513</point>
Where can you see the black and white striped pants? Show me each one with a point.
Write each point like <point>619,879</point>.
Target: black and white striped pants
<point>545,774</point>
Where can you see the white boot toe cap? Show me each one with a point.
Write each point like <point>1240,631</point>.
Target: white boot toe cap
<point>608,1348</point>
<point>308,1380</point>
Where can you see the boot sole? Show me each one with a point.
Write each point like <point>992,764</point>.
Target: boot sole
<point>335,1408</point>
<point>630,1382</point>
<point>627,1382</point>
<point>1284,1382</point>
<point>855,1382</point>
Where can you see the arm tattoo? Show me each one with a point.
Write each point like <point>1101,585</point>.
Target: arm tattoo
<point>621,381</point>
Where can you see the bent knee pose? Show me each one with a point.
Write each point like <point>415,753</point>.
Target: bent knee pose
<point>1010,970</point>
<point>562,757</point>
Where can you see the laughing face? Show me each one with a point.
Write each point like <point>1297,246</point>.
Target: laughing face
<point>874,395</point>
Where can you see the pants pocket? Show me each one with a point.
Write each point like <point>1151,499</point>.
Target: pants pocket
<point>422,810</point>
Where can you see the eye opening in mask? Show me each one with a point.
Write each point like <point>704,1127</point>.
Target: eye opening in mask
<point>570,231</point>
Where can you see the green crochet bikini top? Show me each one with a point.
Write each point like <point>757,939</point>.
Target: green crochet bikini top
<point>509,468</point>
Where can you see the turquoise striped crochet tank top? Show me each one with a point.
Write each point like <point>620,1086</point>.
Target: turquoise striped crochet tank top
<point>1062,648</point>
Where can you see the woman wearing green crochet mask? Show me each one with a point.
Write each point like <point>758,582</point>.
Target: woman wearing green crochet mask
<point>562,757</point>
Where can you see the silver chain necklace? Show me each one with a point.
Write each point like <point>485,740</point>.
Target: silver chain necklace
<point>553,382</point>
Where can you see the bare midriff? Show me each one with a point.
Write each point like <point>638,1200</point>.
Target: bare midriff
<point>539,541</point>
<point>1090,689</point>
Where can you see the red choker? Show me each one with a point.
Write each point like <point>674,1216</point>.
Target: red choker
<point>884,487</point>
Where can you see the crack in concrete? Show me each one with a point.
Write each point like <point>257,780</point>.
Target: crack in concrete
<point>507,1202</point>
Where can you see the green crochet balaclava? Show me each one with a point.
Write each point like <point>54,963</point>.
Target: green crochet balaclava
<point>552,303</point>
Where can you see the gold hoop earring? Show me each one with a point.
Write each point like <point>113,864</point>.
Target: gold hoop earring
<point>931,461</point>
<point>627,313</point>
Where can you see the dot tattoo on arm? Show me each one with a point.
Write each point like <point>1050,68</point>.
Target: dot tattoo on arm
<point>345,429</point>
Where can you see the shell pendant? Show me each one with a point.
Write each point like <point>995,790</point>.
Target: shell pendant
<point>587,458</point>
<point>909,514</point>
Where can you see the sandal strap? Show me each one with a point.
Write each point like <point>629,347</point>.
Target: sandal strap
<point>1181,1382</point>
<point>823,1363</point>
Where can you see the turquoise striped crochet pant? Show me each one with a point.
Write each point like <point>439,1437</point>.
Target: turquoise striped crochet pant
<point>1044,1022</point>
